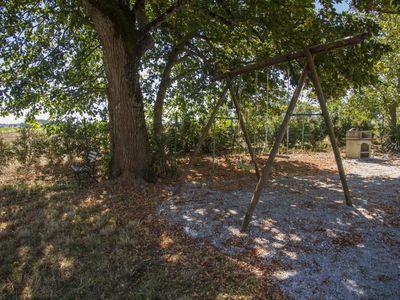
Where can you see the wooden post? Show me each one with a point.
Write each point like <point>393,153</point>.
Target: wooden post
<point>213,151</point>
<point>244,130</point>
<point>203,136</point>
<point>268,165</point>
<point>325,113</point>
<point>287,139</point>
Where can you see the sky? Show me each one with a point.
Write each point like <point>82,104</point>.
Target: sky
<point>340,7</point>
<point>10,119</point>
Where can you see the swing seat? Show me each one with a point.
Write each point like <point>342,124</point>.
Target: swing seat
<point>80,169</point>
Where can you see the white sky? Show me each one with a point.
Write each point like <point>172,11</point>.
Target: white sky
<point>11,119</point>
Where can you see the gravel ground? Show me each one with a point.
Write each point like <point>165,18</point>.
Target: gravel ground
<point>323,249</point>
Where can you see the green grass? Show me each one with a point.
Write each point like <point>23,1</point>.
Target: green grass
<point>104,241</point>
<point>8,129</point>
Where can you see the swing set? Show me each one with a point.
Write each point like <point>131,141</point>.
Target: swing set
<point>302,116</point>
<point>214,140</point>
<point>308,70</point>
<point>240,164</point>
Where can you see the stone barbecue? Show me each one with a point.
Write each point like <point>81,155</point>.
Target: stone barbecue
<point>358,143</point>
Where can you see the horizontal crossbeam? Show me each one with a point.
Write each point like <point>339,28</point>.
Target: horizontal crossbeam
<point>316,49</point>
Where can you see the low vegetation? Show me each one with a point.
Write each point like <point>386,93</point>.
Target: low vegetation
<point>8,129</point>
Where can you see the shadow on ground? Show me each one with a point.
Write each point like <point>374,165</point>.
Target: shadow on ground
<point>312,243</point>
<point>236,172</point>
<point>104,241</point>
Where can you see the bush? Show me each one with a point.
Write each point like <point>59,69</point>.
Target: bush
<point>6,154</point>
<point>164,158</point>
<point>30,145</point>
<point>74,138</point>
<point>392,142</point>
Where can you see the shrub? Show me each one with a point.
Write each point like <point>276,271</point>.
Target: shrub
<point>6,154</point>
<point>74,138</point>
<point>29,146</point>
<point>392,142</point>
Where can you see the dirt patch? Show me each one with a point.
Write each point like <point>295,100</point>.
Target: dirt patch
<point>235,171</point>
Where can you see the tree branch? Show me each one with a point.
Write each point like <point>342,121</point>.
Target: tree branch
<point>182,75</point>
<point>161,18</point>
<point>140,13</point>
<point>223,20</point>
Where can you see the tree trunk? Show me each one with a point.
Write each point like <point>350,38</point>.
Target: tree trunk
<point>129,145</point>
<point>160,157</point>
<point>162,90</point>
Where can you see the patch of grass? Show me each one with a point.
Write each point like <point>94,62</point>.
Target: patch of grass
<point>104,241</point>
<point>8,129</point>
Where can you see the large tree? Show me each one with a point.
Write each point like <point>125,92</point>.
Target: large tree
<point>379,101</point>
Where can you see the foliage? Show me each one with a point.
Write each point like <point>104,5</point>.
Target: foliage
<point>58,139</point>
<point>164,156</point>
<point>74,137</point>
<point>6,154</point>
<point>392,142</point>
<point>29,146</point>
<point>379,7</point>
<point>376,105</point>
<point>50,60</point>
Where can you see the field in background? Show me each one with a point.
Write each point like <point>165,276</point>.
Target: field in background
<point>8,134</point>
<point>8,129</point>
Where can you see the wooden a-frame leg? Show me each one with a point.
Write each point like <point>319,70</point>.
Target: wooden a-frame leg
<point>244,130</point>
<point>268,165</point>
<point>329,126</point>
<point>200,142</point>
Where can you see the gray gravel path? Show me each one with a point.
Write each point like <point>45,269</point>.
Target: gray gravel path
<point>324,248</point>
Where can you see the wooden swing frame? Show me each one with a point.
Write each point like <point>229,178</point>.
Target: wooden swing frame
<point>309,70</point>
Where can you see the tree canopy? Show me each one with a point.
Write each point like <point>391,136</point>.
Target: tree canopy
<point>380,100</point>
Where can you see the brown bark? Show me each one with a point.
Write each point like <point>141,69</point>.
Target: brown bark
<point>162,90</point>
<point>130,146</point>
